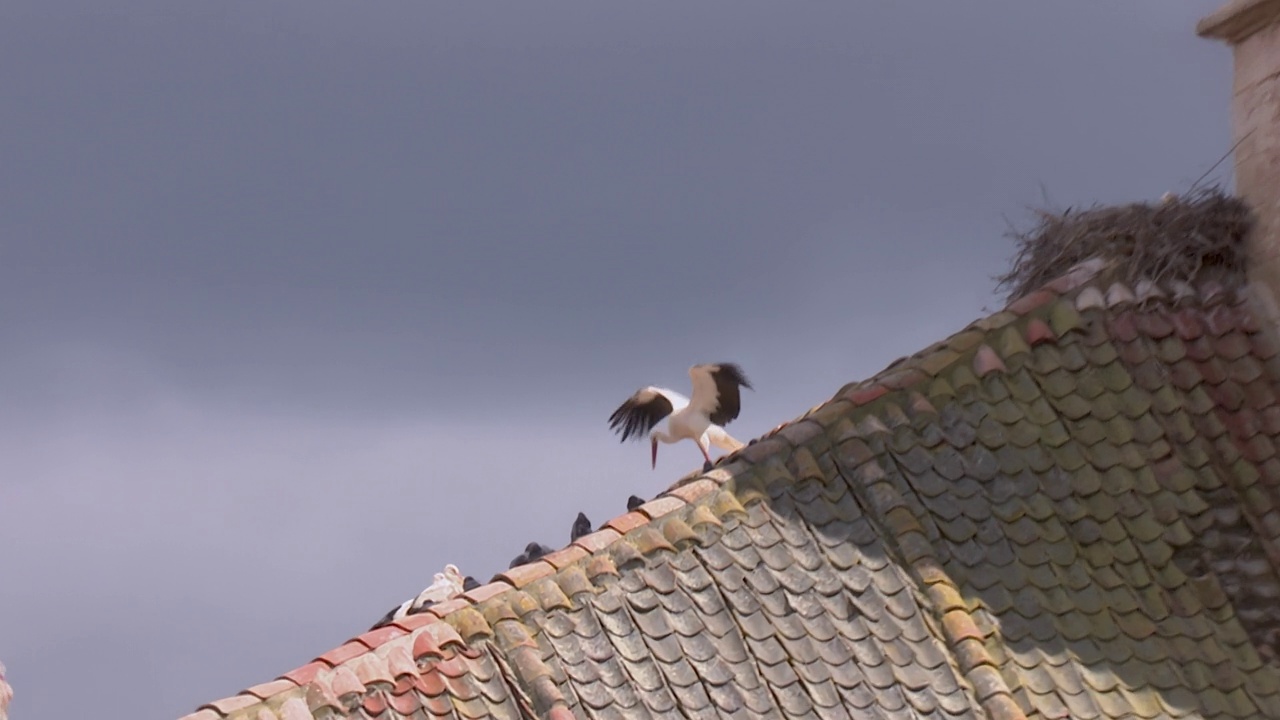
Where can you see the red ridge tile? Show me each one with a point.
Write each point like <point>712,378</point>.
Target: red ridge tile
<point>524,574</point>
<point>626,523</point>
<point>864,395</point>
<point>226,706</point>
<point>561,559</point>
<point>375,638</point>
<point>986,361</point>
<point>419,620</point>
<point>598,540</point>
<point>484,592</point>
<point>903,379</point>
<point>1030,301</point>
<point>1038,331</point>
<point>660,506</point>
<point>305,674</point>
<point>694,491</point>
<point>343,653</point>
<point>441,610</point>
<point>269,689</point>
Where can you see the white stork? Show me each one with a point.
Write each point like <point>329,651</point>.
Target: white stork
<point>716,402</point>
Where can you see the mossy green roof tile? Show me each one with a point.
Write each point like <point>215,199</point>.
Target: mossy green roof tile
<point>1069,509</point>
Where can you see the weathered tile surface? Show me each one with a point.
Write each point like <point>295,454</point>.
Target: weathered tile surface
<point>1069,509</point>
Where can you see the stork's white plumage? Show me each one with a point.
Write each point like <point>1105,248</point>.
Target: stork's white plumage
<point>716,402</point>
<point>6,695</point>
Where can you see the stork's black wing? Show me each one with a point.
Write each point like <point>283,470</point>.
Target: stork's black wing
<point>728,379</point>
<point>637,416</point>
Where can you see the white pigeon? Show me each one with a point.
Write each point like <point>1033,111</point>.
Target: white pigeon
<point>444,586</point>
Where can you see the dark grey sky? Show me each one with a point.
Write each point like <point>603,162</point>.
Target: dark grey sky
<point>301,300</point>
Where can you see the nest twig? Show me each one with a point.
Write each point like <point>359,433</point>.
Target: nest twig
<point>1193,237</point>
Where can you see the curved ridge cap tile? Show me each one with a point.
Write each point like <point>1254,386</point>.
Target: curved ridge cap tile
<point>987,361</point>
<point>295,709</point>
<point>478,595</point>
<point>270,689</point>
<point>1119,294</point>
<point>1146,290</point>
<point>399,658</point>
<point>228,705</point>
<point>661,505</point>
<point>694,491</point>
<point>1091,298</point>
<point>627,522</point>
<point>344,682</point>
<point>599,540</point>
<point>372,668</point>
<point>1079,274</point>
<point>522,575</point>
<point>1181,290</point>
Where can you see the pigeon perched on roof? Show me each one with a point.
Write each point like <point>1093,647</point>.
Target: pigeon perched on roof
<point>634,502</point>
<point>581,526</point>
<point>532,552</point>
<point>445,586</point>
<point>469,583</point>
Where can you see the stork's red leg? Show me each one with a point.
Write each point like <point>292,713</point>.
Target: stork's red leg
<point>704,452</point>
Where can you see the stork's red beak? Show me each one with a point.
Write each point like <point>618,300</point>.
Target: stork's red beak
<point>654,443</point>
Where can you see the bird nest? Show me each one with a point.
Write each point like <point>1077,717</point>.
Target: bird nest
<point>1186,238</point>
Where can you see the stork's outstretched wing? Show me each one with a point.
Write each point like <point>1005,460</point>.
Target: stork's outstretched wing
<point>643,410</point>
<point>716,391</point>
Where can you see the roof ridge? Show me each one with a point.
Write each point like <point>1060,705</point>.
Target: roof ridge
<point>680,514</point>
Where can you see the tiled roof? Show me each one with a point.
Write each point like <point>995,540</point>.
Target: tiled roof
<point>1069,509</point>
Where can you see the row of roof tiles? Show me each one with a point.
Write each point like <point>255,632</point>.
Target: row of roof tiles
<point>441,643</point>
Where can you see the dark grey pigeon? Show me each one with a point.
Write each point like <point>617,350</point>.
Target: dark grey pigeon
<point>532,552</point>
<point>469,583</point>
<point>634,502</point>
<point>581,526</point>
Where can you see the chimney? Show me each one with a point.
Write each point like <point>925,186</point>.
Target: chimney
<point>1252,28</point>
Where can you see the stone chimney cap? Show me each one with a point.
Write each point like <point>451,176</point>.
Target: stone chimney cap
<point>1239,19</point>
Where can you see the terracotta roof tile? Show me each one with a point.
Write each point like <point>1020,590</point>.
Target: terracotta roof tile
<point>228,705</point>
<point>597,541</point>
<point>1071,508</point>
<point>267,690</point>
<point>343,653</point>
